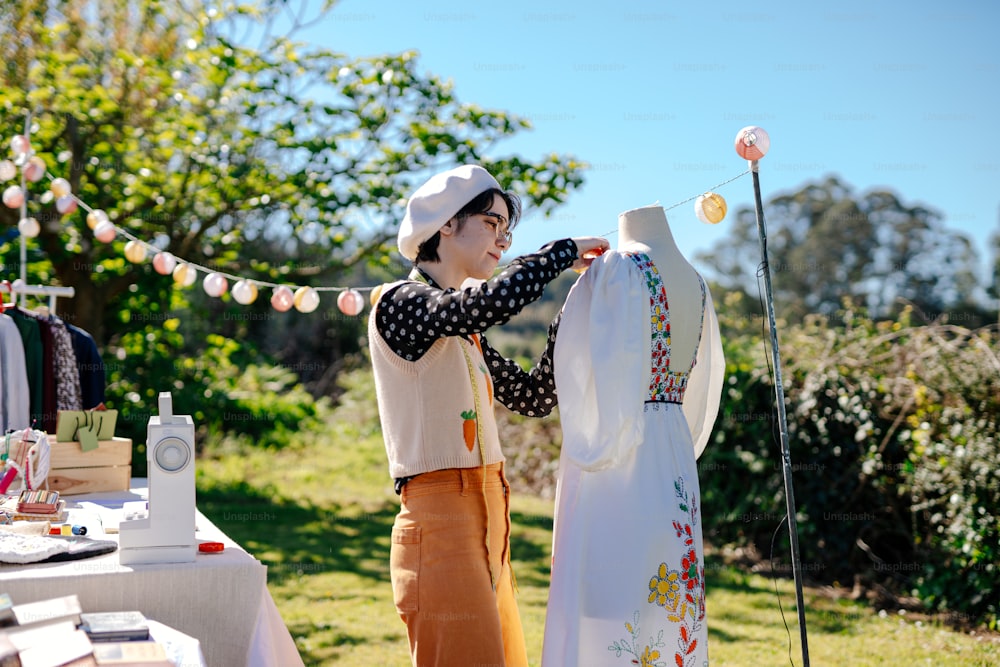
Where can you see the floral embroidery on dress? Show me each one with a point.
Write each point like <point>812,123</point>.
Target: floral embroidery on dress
<point>650,655</point>
<point>665,385</point>
<point>681,593</point>
<point>676,587</point>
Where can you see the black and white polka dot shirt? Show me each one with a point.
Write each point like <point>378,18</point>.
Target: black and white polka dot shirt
<point>412,316</point>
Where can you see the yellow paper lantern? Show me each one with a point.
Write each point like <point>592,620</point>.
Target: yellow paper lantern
<point>306,299</point>
<point>29,227</point>
<point>135,252</point>
<point>710,208</point>
<point>184,275</point>
<point>60,187</point>
<point>96,217</point>
<point>8,170</point>
<point>245,292</point>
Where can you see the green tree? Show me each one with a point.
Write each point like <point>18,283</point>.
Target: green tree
<point>994,288</point>
<point>826,244</point>
<point>207,134</point>
<point>280,162</point>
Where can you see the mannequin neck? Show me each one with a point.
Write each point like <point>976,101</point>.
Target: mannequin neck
<point>646,229</point>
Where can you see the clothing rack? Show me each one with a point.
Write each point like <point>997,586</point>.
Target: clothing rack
<point>18,287</point>
<point>21,285</point>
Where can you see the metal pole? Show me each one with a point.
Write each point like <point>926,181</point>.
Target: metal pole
<point>779,395</point>
<point>24,213</point>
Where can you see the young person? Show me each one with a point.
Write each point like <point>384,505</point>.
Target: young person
<point>436,379</point>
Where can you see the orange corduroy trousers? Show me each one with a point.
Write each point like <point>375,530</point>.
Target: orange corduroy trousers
<point>442,572</point>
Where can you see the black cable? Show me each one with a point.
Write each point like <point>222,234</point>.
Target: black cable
<point>761,268</point>
<point>777,595</point>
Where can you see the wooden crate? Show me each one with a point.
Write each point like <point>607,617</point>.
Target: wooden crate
<point>107,468</point>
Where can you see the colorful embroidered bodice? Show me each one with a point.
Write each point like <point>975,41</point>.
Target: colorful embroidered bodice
<point>665,384</point>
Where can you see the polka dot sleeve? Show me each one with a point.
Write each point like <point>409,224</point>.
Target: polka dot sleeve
<point>414,315</point>
<point>530,393</point>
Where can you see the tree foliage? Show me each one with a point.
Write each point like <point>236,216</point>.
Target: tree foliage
<point>283,162</point>
<point>893,435</point>
<point>826,243</point>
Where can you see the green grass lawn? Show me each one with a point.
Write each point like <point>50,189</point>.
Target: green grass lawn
<point>319,517</point>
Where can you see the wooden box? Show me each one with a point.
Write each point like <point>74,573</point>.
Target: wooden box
<point>107,468</point>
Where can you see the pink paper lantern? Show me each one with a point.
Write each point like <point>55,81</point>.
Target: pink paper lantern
<point>34,169</point>
<point>752,142</point>
<point>20,144</point>
<point>282,298</point>
<point>215,284</point>
<point>350,302</point>
<point>66,205</point>
<point>13,196</point>
<point>105,232</point>
<point>164,263</point>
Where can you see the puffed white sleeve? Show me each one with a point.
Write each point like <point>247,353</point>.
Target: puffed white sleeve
<point>602,363</point>
<point>704,388</point>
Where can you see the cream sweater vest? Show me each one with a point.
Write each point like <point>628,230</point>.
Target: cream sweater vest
<point>430,420</point>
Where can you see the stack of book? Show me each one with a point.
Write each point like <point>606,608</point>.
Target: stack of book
<point>115,626</point>
<point>56,633</point>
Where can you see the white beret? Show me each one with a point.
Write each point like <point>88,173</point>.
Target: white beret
<point>437,201</point>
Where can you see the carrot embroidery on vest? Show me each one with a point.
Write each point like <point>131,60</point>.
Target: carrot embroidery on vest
<point>469,428</point>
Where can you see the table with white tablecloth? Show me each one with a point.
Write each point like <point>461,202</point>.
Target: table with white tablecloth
<point>221,599</point>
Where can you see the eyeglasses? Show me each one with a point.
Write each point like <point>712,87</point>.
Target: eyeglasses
<point>500,226</point>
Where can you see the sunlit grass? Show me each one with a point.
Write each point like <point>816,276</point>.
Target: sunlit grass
<point>319,514</point>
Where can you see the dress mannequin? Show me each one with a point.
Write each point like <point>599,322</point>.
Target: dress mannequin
<point>639,370</point>
<point>646,230</point>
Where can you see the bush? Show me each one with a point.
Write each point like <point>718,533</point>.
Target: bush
<point>893,438</point>
<point>894,453</point>
<point>226,388</point>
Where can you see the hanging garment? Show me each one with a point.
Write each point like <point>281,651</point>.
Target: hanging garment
<point>627,581</point>
<point>49,380</point>
<point>15,405</point>
<point>31,338</point>
<point>66,369</point>
<point>90,366</point>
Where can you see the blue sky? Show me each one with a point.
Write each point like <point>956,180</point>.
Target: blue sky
<point>893,95</point>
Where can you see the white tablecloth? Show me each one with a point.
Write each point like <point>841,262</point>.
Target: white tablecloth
<point>221,599</point>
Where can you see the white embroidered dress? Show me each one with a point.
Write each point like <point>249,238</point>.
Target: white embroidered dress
<point>628,565</point>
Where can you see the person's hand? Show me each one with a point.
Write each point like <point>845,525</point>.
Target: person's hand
<point>588,248</point>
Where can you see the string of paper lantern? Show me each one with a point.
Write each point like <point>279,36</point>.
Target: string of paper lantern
<point>710,208</point>
<point>184,273</point>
